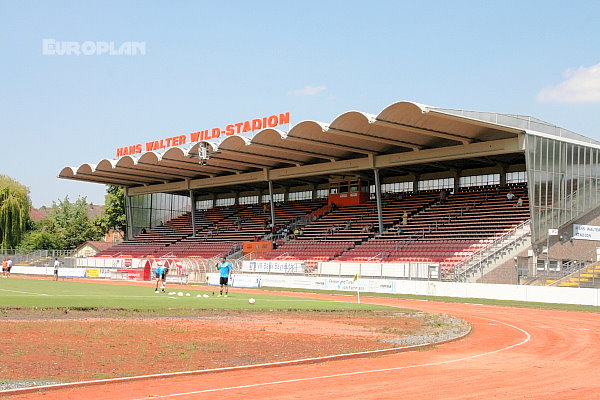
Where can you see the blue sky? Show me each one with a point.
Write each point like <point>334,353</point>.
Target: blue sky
<point>211,63</point>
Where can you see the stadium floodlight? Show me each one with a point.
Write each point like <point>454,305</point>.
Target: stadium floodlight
<point>203,153</point>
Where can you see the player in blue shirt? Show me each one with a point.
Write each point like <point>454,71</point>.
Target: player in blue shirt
<point>225,270</point>
<point>160,273</point>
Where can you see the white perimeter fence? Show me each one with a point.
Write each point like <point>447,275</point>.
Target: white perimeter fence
<point>268,275</point>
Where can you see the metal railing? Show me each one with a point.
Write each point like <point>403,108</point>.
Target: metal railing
<point>33,257</point>
<point>492,252</point>
<point>574,269</point>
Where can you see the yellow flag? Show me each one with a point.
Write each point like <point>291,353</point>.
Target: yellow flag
<point>356,276</point>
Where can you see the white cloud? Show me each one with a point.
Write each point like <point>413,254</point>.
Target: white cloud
<point>307,90</point>
<point>582,85</point>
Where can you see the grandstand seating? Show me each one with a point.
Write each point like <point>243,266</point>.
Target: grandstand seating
<point>218,231</point>
<point>358,223</point>
<point>447,233</point>
<point>435,232</point>
<point>472,213</point>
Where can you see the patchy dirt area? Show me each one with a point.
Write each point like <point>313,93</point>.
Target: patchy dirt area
<point>48,346</point>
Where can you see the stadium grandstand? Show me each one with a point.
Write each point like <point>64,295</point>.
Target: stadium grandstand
<point>420,192</point>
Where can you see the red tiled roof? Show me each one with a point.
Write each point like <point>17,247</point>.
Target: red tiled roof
<point>98,245</point>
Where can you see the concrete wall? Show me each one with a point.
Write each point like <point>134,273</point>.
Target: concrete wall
<point>541,294</point>
<point>575,249</point>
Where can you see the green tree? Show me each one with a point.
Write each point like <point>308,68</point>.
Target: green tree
<point>14,211</point>
<point>41,240</point>
<point>70,223</point>
<point>114,210</point>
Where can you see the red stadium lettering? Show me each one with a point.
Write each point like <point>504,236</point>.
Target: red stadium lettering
<point>272,121</point>
<point>214,133</point>
<point>197,136</point>
<point>284,118</point>
<point>247,127</point>
<point>194,136</point>
<point>128,150</point>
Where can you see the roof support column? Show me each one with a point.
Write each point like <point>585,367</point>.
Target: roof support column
<point>151,210</point>
<point>378,199</point>
<point>286,193</point>
<point>193,208</point>
<point>129,217</point>
<point>456,176</point>
<point>415,182</point>
<point>503,171</point>
<point>272,203</point>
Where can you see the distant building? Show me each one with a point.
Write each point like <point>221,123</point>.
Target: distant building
<point>91,248</point>
<point>113,236</point>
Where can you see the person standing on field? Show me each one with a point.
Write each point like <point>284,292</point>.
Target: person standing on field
<point>164,277</point>
<point>159,272</point>
<point>56,266</point>
<point>225,270</point>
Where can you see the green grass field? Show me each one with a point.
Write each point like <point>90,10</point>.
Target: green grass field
<point>46,293</point>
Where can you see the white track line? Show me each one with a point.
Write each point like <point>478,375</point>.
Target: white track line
<point>17,291</point>
<point>527,338</point>
<point>213,370</point>
<point>279,363</point>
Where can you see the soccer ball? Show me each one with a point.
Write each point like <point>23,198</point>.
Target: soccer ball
<point>251,301</point>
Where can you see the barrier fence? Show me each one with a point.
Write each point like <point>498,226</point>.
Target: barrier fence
<point>203,271</point>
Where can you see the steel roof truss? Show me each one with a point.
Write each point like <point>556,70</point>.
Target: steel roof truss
<point>430,132</point>
<point>364,136</point>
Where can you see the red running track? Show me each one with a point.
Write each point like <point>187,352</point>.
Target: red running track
<point>512,353</point>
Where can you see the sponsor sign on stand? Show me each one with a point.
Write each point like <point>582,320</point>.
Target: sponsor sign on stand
<point>105,272</point>
<point>246,281</point>
<point>318,283</point>
<point>236,280</point>
<point>586,232</point>
<point>93,272</point>
<point>273,267</point>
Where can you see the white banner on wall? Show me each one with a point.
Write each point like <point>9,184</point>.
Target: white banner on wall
<point>374,270</point>
<point>236,280</point>
<point>274,267</point>
<point>586,232</point>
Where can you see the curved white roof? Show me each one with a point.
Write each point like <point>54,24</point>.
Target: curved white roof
<point>401,134</point>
